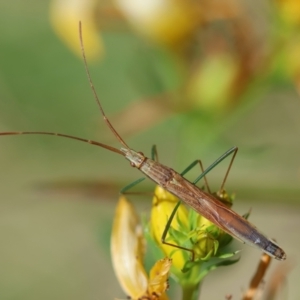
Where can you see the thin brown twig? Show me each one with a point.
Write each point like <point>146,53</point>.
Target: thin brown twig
<point>258,277</point>
<point>277,281</point>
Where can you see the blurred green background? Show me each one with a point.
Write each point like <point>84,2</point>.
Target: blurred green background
<point>55,220</point>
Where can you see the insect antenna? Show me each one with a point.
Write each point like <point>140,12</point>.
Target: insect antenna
<point>101,110</point>
<point>65,136</point>
<point>106,120</point>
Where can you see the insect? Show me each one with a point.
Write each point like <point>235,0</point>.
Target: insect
<point>202,202</point>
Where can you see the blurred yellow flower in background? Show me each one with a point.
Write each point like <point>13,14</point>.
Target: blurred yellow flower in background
<point>218,67</point>
<point>212,45</point>
<point>65,16</point>
<point>166,22</point>
<point>289,11</point>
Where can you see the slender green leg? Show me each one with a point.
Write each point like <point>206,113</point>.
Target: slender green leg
<point>163,237</point>
<point>221,194</point>
<point>216,162</point>
<point>198,161</point>
<point>154,154</point>
<point>129,186</point>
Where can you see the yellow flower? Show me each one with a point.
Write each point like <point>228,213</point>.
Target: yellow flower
<point>167,22</point>
<point>65,16</point>
<point>188,230</point>
<point>127,251</point>
<point>289,11</point>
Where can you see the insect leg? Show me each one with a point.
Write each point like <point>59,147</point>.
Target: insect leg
<point>154,153</point>
<point>187,169</point>
<point>129,186</point>
<point>163,237</point>
<point>216,162</point>
<point>221,194</point>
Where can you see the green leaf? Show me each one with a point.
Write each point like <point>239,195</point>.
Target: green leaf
<point>229,254</point>
<point>222,263</point>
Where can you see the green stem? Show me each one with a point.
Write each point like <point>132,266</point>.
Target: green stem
<point>190,292</point>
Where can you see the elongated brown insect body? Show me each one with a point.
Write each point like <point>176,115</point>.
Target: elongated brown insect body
<point>204,203</point>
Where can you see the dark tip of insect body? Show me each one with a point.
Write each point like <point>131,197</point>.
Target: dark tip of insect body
<point>274,250</point>
<point>280,254</point>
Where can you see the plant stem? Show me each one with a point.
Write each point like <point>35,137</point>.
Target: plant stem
<point>191,292</point>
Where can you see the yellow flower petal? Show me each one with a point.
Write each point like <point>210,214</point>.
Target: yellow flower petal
<point>127,250</point>
<point>65,16</point>
<point>168,22</point>
<point>158,281</point>
<point>162,207</point>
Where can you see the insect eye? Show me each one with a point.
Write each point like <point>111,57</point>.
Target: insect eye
<point>132,164</point>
